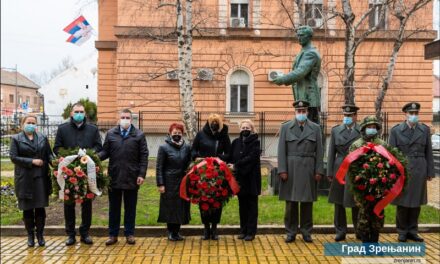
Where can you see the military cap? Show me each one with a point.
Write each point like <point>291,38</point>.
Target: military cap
<point>300,104</point>
<point>349,109</point>
<point>370,120</point>
<point>413,106</point>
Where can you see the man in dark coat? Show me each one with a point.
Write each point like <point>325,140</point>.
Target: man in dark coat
<point>78,133</point>
<point>342,136</point>
<point>414,140</point>
<point>127,149</point>
<point>300,167</point>
<point>245,160</point>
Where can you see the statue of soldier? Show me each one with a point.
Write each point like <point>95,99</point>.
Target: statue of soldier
<point>414,140</point>
<point>304,74</point>
<point>342,136</point>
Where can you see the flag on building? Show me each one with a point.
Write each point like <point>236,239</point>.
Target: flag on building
<point>80,31</point>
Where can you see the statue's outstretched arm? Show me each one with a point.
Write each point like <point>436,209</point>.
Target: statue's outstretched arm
<point>305,66</point>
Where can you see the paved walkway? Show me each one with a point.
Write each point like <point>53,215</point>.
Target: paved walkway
<point>264,249</point>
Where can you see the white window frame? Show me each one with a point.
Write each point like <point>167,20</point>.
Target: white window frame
<point>250,92</point>
<point>239,15</point>
<point>376,14</point>
<point>314,10</point>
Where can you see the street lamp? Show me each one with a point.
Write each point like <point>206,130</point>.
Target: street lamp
<point>44,108</point>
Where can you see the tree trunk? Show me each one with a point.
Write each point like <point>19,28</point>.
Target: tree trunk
<point>350,51</point>
<point>184,44</point>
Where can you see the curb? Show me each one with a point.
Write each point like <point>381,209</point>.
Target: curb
<point>196,230</point>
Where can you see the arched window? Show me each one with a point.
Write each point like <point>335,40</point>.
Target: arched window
<point>239,92</point>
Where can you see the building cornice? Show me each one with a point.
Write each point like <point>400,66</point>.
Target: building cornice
<point>106,45</point>
<point>162,33</point>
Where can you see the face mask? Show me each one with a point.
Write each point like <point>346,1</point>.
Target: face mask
<point>413,119</point>
<point>78,117</point>
<point>245,133</point>
<point>301,117</point>
<point>125,123</point>
<point>176,138</point>
<point>370,131</point>
<point>29,128</point>
<point>215,127</point>
<point>348,120</point>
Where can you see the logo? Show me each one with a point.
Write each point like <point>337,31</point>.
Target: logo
<point>413,106</point>
<point>300,104</point>
<point>347,109</point>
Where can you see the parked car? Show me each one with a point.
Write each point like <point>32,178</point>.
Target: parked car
<point>435,139</point>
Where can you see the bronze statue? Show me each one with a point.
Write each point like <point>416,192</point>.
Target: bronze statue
<point>304,74</point>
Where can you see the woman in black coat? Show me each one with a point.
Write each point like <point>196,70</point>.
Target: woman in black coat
<point>173,159</point>
<point>212,141</point>
<point>30,152</point>
<point>244,159</point>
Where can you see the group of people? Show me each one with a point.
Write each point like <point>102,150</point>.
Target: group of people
<point>126,148</point>
<point>300,168</point>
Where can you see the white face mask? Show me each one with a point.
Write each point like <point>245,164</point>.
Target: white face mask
<point>125,123</point>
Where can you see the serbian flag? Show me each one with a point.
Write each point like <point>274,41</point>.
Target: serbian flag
<point>80,31</point>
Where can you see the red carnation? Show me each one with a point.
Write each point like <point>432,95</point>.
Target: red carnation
<point>64,168</point>
<point>392,176</point>
<point>361,187</point>
<point>194,201</point>
<point>365,166</point>
<point>204,198</point>
<point>194,177</point>
<point>219,182</point>
<point>218,194</point>
<point>204,206</point>
<point>357,178</point>
<point>80,174</point>
<point>201,170</point>
<point>211,200</point>
<point>73,180</point>
<point>223,167</point>
<point>384,180</point>
<point>215,174</point>
<point>55,173</point>
<point>78,201</point>
<point>216,204</point>
<point>66,197</point>
<point>192,183</point>
<point>380,165</point>
<point>204,185</point>
<point>90,195</point>
<point>225,192</point>
<point>369,198</point>
<point>69,172</point>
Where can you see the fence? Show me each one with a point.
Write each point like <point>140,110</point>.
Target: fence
<point>155,126</point>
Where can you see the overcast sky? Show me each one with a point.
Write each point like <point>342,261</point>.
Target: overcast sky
<point>32,33</point>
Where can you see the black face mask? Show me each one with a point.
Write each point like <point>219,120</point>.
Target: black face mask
<point>245,133</point>
<point>176,138</point>
<point>215,127</point>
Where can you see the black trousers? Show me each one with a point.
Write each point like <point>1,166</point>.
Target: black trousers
<point>305,217</point>
<point>115,202</point>
<point>407,220</point>
<point>340,219</point>
<point>211,217</point>
<point>34,218</point>
<point>86,218</point>
<point>173,228</point>
<point>248,209</point>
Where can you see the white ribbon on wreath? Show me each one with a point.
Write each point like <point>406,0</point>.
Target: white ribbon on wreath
<point>91,172</point>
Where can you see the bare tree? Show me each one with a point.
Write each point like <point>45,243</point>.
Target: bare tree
<point>402,13</point>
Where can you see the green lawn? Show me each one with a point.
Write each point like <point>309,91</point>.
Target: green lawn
<point>271,210</point>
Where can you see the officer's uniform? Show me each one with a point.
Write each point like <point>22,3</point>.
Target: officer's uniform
<point>342,136</point>
<point>415,142</point>
<point>300,155</point>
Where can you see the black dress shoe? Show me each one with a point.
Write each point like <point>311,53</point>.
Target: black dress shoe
<point>249,238</point>
<point>340,237</point>
<point>415,237</point>
<point>241,236</point>
<point>31,240</point>
<point>178,237</point>
<point>290,239</point>
<point>307,238</point>
<point>171,237</point>
<point>206,233</point>
<point>401,238</point>
<point>70,241</point>
<point>86,240</point>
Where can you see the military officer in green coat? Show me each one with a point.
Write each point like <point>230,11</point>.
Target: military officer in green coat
<point>300,167</point>
<point>304,74</point>
<point>342,136</point>
<point>414,140</point>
